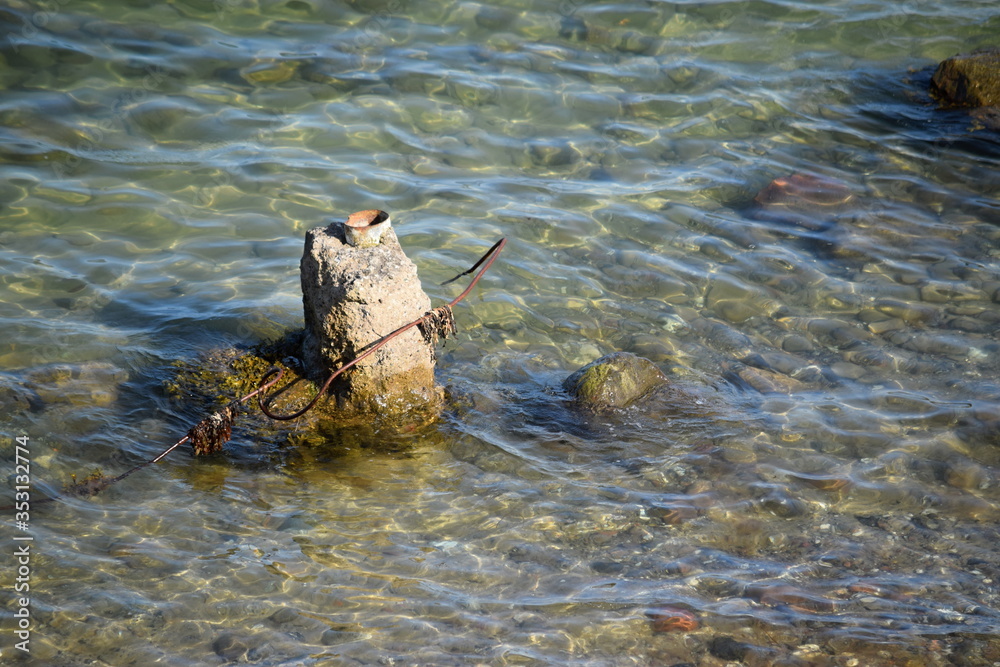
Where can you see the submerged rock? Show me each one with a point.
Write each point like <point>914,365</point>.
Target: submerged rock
<point>231,646</point>
<point>615,380</point>
<point>728,648</point>
<point>89,384</point>
<point>763,380</point>
<point>215,377</point>
<point>270,71</point>
<point>803,200</point>
<point>985,117</point>
<point>968,80</point>
<point>14,397</point>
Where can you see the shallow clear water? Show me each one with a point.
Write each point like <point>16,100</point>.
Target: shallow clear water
<point>822,486</point>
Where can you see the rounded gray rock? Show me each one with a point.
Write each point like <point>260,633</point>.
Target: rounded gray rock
<point>615,380</point>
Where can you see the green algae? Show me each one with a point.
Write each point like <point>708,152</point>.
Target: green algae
<point>969,80</point>
<point>614,381</point>
<point>221,375</point>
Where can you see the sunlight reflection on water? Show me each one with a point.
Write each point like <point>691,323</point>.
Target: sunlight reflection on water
<point>820,486</point>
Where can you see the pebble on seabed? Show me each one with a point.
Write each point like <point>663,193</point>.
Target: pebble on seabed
<point>672,619</point>
<point>805,200</point>
<point>88,384</point>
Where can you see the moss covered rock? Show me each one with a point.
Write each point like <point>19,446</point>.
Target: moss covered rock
<point>218,376</point>
<point>969,80</point>
<point>614,381</point>
<point>221,374</point>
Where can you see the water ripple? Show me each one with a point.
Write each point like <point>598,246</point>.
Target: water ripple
<point>819,484</point>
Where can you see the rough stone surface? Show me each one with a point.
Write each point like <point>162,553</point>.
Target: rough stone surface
<point>615,380</point>
<point>353,297</point>
<point>968,80</point>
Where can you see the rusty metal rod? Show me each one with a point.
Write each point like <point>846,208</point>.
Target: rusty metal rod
<point>264,403</point>
<point>104,483</point>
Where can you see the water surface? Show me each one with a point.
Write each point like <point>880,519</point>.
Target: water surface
<point>822,488</point>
